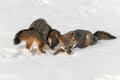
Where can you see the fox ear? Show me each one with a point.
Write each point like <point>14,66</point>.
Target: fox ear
<point>72,36</point>
<point>60,38</point>
<point>56,35</point>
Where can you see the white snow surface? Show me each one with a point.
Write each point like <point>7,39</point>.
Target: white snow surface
<point>98,62</point>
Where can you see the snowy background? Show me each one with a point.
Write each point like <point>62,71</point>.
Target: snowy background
<point>98,62</point>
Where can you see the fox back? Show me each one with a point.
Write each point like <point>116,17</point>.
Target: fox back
<point>84,38</point>
<point>42,26</point>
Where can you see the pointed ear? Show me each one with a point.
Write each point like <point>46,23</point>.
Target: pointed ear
<point>60,38</point>
<point>56,35</point>
<point>72,36</point>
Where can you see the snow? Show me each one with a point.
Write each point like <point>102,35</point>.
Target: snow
<point>98,62</point>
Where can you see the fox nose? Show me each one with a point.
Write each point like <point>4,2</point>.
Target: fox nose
<point>52,47</point>
<point>68,50</point>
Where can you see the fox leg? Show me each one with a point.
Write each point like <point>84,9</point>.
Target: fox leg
<point>48,43</point>
<point>29,43</point>
<point>88,40</point>
<point>40,46</point>
<point>58,51</point>
<point>41,49</point>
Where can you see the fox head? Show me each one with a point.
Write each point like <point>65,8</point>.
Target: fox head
<point>53,38</point>
<point>67,42</point>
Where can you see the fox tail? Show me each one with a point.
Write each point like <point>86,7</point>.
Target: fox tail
<point>101,35</point>
<point>17,40</point>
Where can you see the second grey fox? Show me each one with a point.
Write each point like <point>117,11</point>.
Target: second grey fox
<point>49,34</point>
<point>81,39</point>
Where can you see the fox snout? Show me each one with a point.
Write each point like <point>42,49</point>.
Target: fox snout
<point>52,47</point>
<point>69,51</point>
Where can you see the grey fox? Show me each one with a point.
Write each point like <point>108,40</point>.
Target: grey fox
<point>48,33</point>
<point>81,39</point>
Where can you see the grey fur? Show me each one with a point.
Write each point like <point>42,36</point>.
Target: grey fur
<point>42,26</point>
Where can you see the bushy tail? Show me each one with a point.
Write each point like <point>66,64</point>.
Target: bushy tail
<point>101,35</point>
<point>17,39</point>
